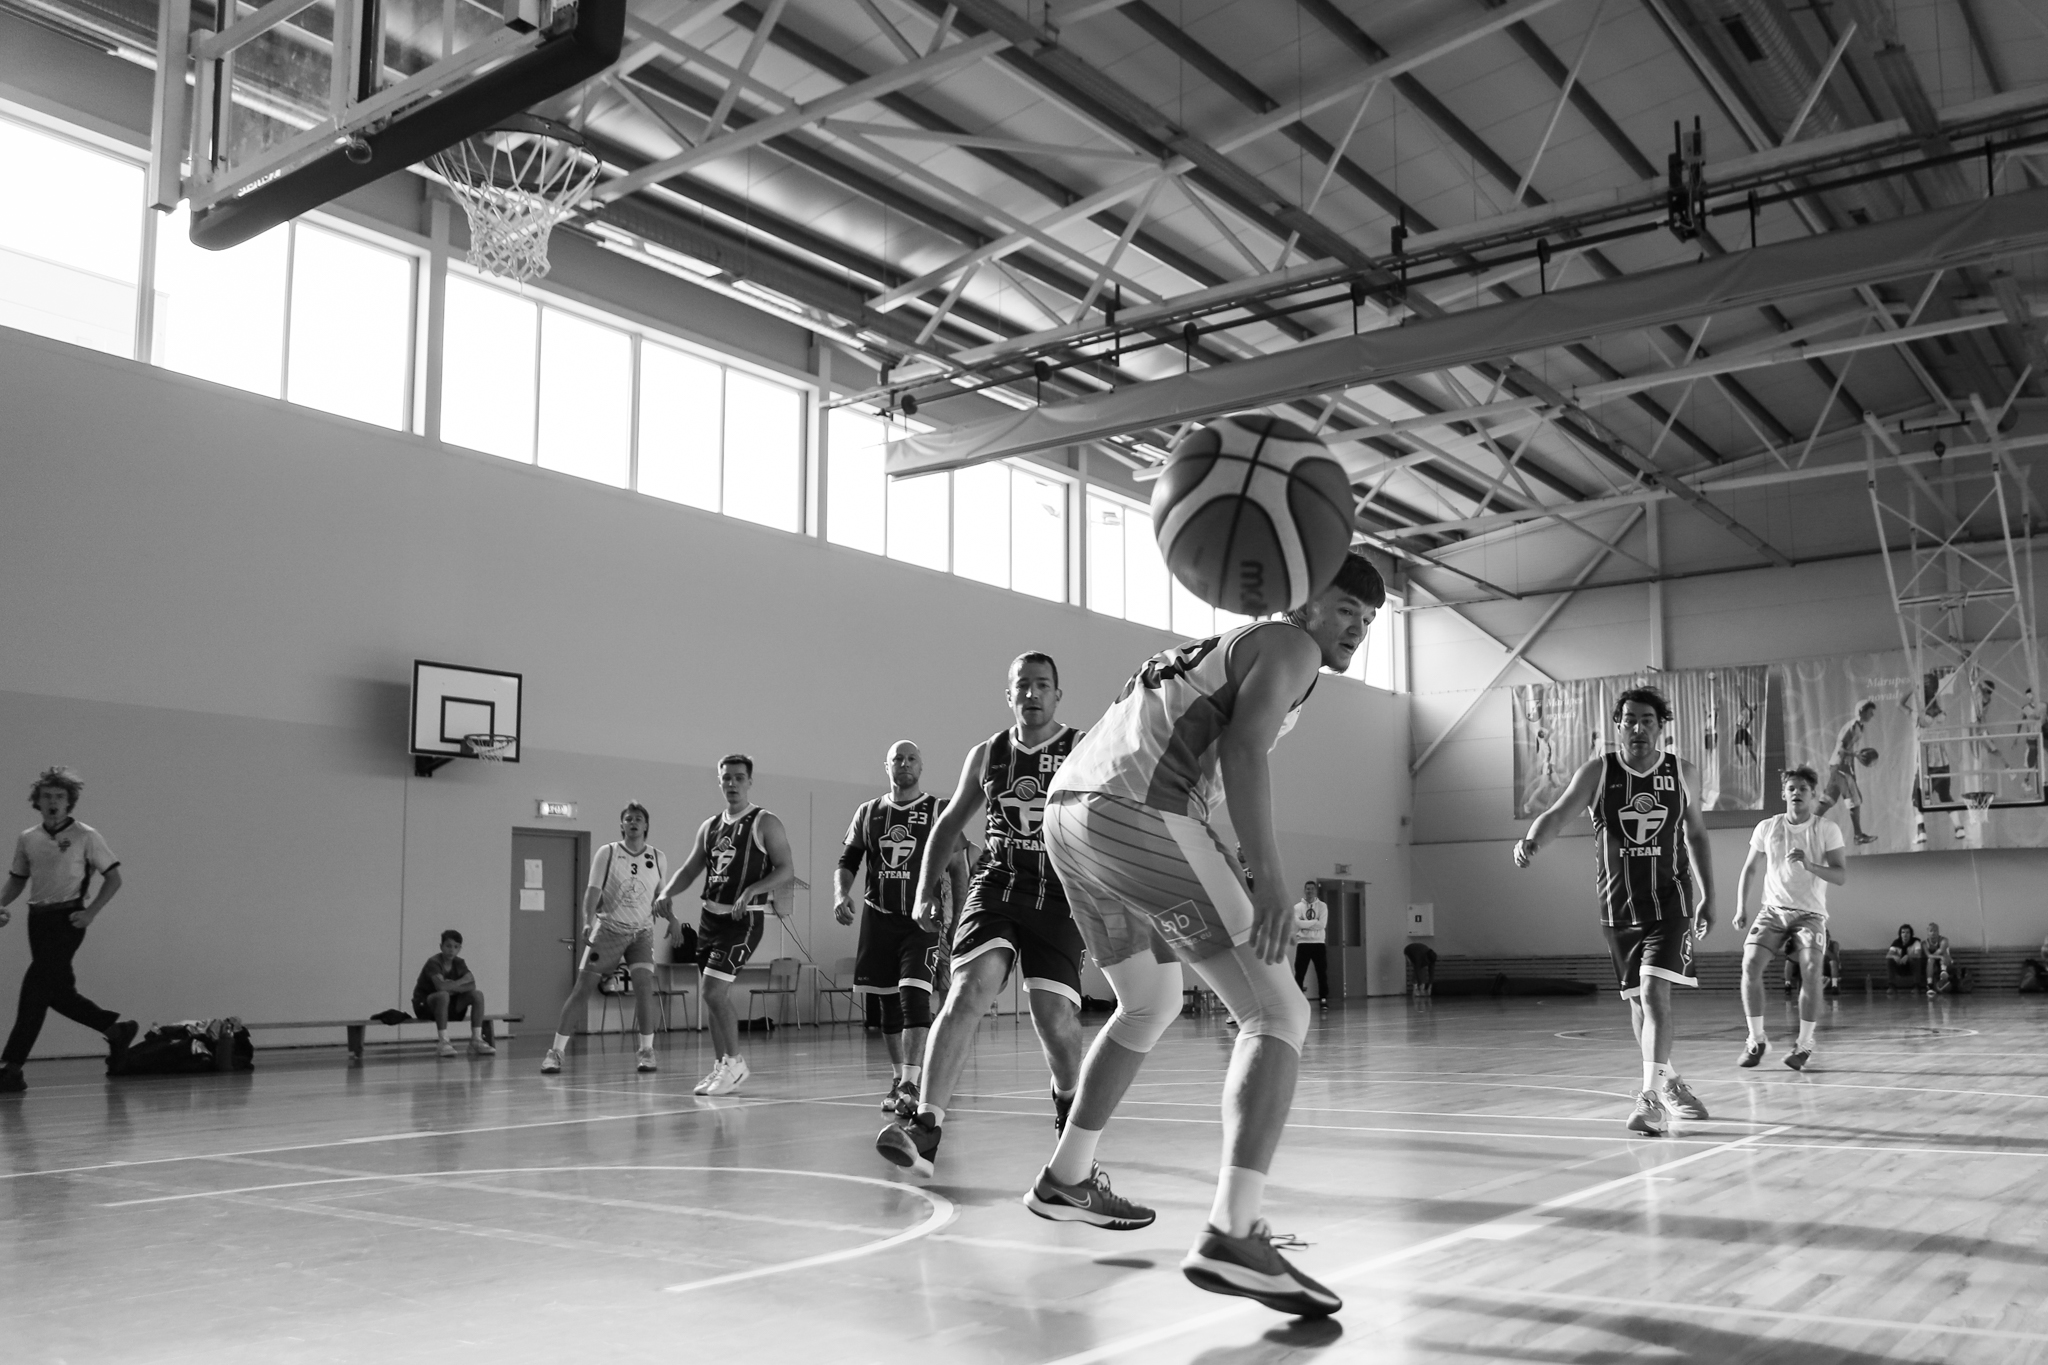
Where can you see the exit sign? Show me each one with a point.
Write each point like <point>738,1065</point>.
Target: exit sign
<point>557,810</point>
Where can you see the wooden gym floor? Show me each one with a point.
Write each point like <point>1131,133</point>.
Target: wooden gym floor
<point>1459,1166</point>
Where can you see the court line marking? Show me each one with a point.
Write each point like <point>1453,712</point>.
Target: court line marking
<point>1152,1336</point>
<point>941,1209</point>
<point>701,1108</point>
<point>1715,1310</point>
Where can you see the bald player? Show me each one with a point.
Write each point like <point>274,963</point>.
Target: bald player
<point>898,958</point>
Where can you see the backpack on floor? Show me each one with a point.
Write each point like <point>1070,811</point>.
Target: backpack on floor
<point>187,1048</point>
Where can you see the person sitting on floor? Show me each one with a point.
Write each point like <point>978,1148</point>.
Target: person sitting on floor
<point>1941,961</point>
<point>446,990</point>
<point>1905,961</point>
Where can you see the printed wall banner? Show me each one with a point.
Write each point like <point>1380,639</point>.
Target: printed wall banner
<point>1917,764</point>
<point>1717,724</point>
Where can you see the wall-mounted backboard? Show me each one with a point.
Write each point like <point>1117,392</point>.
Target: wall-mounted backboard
<point>451,702</point>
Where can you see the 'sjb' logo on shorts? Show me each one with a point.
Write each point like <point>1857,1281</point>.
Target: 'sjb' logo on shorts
<point>1023,807</point>
<point>897,847</point>
<point>1177,926</point>
<point>1642,818</point>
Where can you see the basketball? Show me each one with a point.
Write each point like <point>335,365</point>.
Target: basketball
<point>1253,514</point>
<point>1866,757</point>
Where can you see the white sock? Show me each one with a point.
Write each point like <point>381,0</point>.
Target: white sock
<point>1756,1028</point>
<point>913,1074</point>
<point>442,1034</point>
<point>647,1042</point>
<point>1074,1158</point>
<point>561,1042</point>
<point>1656,1073</point>
<point>1240,1191</point>
<point>1806,1028</point>
<point>938,1114</point>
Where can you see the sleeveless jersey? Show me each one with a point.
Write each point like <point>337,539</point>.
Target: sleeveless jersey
<point>892,840</point>
<point>1157,743</point>
<point>1014,784</point>
<point>1644,873</point>
<point>733,857</point>
<point>627,884</point>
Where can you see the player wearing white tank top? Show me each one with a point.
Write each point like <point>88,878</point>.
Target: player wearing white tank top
<point>1151,887</point>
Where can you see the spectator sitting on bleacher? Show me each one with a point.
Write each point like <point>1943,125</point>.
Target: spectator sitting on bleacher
<point>1905,961</point>
<point>446,990</point>
<point>1941,962</point>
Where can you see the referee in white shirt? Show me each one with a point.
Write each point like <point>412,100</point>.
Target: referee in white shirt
<point>61,862</point>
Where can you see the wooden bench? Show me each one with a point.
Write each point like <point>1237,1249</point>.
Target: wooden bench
<point>357,1028</point>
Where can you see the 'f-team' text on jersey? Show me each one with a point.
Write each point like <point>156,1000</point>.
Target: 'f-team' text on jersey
<point>891,839</point>
<point>1643,872</point>
<point>734,857</point>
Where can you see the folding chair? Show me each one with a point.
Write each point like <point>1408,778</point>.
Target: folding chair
<point>781,981</point>
<point>842,987</point>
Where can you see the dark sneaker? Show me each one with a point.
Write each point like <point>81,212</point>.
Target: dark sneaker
<point>895,1091</point>
<point>1680,1101</point>
<point>121,1035</point>
<point>906,1101</point>
<point>1091,1201</point>
<point>1753,1052</point>
<point>910,1145</point>
<point>1252,1267</point>
<point>12,1082</point>
<point>1648,1117</point>
<point>1062,1105</point>
<point>1798,1057</point>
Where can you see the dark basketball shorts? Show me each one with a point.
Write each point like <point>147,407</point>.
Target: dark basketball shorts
<point>1141,880</point>
<point>724,944</point>
<point>895,954</point>
<point>610,945</point>
<point>458,1006</point>
<point>1043,943</point>
<point>1662,947</point>
<point>1783,931</point>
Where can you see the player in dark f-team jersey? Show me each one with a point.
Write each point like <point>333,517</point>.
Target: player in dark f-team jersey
<point>1015,917</point>
<point>898,958</point>
<point>1652,849</point>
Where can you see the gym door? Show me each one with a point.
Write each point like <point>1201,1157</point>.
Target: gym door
<point>1346,938</point>
<point>547,879</point>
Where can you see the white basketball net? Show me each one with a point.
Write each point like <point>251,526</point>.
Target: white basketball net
<point>515,184</point>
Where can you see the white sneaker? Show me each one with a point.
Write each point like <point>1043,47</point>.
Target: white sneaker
<point>646,1059</point>
<point>478,1047</point>
<point>551,1063</point>
<point>716,1073</point>
<point>447,1048</point>
<point>729,1079</point>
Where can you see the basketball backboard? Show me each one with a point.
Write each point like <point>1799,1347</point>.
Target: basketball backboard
<point>265,111</point>
<point>451,703</point>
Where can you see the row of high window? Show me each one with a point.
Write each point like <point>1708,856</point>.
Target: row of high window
<point>319,314</point>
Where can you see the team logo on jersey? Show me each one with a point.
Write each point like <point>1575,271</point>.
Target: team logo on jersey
<point>1023,807</point>
<point>721,856</point>
<point>1642,818</point>
<point>898,848</point>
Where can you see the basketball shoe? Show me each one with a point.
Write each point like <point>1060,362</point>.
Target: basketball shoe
<point>552,1062</point>
<point>717,1070</point>
<point>912,1144</point>
<point>1091,1201</point>
<point>1252,1267</point>
<point>725,1081</point>
<point>1753,1052</point>
<point>1679,1099</point>
<point>1648,1117</point>
<point>644,1060</point>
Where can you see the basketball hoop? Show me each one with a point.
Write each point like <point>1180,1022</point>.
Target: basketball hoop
<point>515,182</point>
<point>489,748</point>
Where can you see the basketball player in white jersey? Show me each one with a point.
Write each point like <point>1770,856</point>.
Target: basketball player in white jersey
<point>1799,854</point>
<point>1015,917</point>
<point>898,958</point>
<point>1153,887</point>
<point>743,855</point>
<point>618,923</point>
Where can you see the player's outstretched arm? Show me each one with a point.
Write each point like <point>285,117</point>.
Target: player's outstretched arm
<point>946,835</point>
<point>1578,794</point>
<point>1280,666</point>
<point>1697,846</point>
<point>781,873</point>
<point>1751,867</point>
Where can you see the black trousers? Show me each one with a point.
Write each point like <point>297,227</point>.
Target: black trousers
<point>1316,954</point>
<point>49,983</point>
